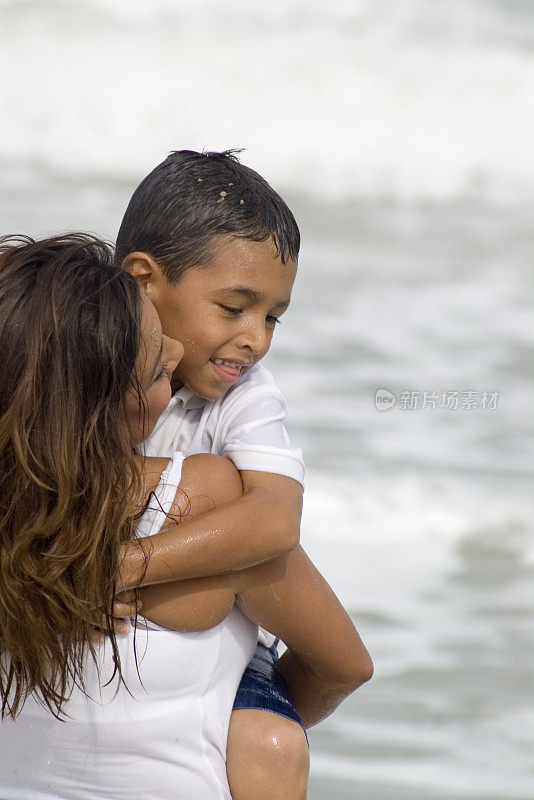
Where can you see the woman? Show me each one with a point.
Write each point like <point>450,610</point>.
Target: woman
<point>84,374</point>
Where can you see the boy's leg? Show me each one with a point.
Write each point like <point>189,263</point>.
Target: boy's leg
<point>267,754</point>
<point>267,757</point>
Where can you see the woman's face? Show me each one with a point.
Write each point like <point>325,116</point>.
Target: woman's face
<point>156,361</point>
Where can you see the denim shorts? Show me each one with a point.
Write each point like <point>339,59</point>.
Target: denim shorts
<point>262,686</point>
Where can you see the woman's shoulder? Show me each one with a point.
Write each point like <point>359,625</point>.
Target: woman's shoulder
<point>206,481</point>
<point>153,469</point>
<point>207,477</point>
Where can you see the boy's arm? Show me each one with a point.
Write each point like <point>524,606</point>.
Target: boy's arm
<point>326,659</point>
<point>261,524</point>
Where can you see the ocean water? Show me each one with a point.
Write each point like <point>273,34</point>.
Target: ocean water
<point>400,132</point>
<point>371,99</point>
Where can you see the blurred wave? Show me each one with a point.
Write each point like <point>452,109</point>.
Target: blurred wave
<point>406,101</point>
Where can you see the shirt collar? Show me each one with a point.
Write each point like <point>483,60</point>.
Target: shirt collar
<point>187,399</point>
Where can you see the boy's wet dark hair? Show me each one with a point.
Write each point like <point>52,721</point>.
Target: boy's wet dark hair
<point>190,198</point>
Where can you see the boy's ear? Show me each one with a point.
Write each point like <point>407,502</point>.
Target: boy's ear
<point>143,267</point>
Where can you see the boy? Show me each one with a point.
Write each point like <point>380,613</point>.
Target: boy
<point>216,249</point>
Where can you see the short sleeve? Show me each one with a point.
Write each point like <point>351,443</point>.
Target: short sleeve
<point>254,436</point>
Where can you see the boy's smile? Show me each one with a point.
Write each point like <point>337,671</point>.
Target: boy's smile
<point>223,312</point>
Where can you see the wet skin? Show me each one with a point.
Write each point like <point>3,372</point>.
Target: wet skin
<point>224,312</point>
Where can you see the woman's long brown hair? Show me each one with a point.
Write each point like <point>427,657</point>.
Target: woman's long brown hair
<point>69,485</point>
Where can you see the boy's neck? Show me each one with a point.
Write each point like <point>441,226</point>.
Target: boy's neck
<point>176,385</point>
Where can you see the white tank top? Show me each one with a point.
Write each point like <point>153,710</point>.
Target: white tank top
<point>164,738</point>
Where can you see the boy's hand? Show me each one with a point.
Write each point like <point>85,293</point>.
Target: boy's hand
<point>125,607</point>
<point>132,562</point>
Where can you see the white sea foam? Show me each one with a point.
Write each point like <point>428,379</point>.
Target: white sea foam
<point>371,98</point>
<point>419,777</point>
<point>436,571</point>
<point>392,506</point>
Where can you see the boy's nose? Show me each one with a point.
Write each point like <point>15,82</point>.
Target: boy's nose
<point>255,338</point>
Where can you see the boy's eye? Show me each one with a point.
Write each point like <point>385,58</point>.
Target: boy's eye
<point>231,310</point>
<point>234,311</point>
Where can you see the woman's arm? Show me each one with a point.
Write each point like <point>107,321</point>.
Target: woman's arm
<point>326,659</point>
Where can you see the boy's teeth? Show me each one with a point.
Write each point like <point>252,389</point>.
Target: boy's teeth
<point>227,363</point>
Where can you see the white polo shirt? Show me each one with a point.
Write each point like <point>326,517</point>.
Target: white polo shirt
<point>246,425</point>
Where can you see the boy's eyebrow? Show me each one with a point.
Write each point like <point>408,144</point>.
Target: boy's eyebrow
<point>253,295</point>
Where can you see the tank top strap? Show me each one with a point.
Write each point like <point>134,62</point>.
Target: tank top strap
<point>162,498</point>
